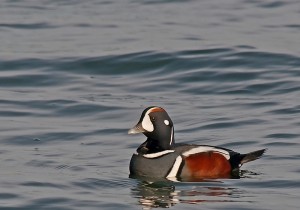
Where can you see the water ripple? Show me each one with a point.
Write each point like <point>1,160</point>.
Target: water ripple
<point>75,76</point>
<point>283,135</point>
<point>28,26</point>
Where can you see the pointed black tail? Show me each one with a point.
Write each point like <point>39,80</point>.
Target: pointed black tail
<point>252,156</point>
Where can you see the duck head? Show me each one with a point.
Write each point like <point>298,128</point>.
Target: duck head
<point>156,124</point>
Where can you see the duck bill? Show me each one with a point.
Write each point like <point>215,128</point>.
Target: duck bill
<point>137,129</point>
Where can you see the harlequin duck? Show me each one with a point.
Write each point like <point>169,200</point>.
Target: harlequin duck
<point>160,157</point>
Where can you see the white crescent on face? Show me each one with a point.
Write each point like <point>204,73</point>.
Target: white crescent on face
<point>146,123</point>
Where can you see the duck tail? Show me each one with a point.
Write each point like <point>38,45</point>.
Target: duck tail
<point>252,156</point>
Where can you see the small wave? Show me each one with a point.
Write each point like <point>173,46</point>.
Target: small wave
<point>27,26</point>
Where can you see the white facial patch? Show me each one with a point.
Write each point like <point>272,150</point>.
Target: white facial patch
<point>167,122</point>
<point>146,123</point>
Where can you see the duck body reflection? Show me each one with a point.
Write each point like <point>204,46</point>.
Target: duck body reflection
<point>161,192</point>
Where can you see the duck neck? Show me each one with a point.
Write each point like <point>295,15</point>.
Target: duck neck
<point>153,146</point>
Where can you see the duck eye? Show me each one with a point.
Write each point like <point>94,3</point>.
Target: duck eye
<point>166,122</point>
<point>152,119</point>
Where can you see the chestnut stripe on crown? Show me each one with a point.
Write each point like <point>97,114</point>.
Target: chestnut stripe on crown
<point>157,109</point>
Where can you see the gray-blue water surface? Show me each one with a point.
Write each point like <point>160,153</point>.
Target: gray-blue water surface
<point>76,75</point>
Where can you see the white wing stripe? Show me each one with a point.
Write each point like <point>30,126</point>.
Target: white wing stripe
<point>175,168</point>
<point>206,149</point>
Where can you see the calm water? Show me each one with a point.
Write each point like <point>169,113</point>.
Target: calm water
<point>76,75</point>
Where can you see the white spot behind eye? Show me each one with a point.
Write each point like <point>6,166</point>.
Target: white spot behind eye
<point>166,122</point>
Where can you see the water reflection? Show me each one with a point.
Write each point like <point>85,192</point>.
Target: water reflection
<point>164,193</point>
<point>156,194</point>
